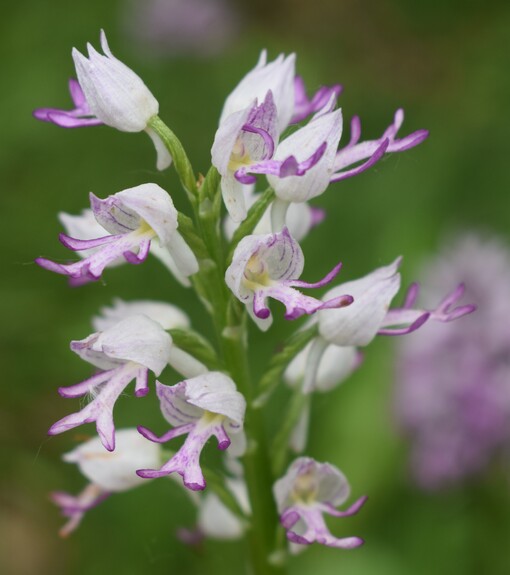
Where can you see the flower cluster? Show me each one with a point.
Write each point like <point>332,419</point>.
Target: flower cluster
<point>132,340</point>
<point>452,398</point>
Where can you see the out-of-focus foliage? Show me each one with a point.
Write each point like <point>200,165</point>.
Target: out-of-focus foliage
<point>447,64</point>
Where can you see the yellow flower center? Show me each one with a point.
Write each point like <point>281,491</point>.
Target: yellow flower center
<point>256,274</point>
<point>210,417</point>
<point>305,488</point>
<point>239,156</point>
<point>145,229</point>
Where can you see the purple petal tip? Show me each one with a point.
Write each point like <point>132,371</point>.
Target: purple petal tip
<point>194,486</point>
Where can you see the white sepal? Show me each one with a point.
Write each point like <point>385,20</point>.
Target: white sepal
<point>167,315</point>
<point>277,76</point>
<point>302,144</point>
<point>114,93</point>
<point>358,324</point>
<point>136,338</point>
<point>115,471</point>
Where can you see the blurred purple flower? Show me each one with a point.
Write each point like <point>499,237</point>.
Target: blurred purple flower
<point>180,27</point>
<point>453,386</point>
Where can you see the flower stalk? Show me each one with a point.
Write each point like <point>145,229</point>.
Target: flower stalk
<point>180,159</point>
<point>256,463</point>
<point>236,268</point>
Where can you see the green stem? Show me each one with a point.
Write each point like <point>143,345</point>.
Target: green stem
<point>279,451</point>
<point>230,326</point>
<point>257,467</point>
<point>180,159</point>
<point>272,377</point>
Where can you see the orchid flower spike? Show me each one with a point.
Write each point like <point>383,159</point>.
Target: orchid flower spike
<point>107,473</point>
<point>269,266</point>
<point>452,399</point>
<point>371,151</point>
<point>304,493</point>
<point>133,217</point>
<point>200,407</point>
<point>108,92</point>
<point>123,352</point>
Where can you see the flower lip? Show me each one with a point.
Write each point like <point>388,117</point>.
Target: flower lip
<point>80,116</point>
<point>199,407</point>
<point>404,320</point>
<point>125,352</point>
<point>371,151</point>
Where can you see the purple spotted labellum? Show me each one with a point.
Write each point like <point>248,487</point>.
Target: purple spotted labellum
<point>200,407</point>
<point>123,352</point>
<point>133,218</point>
<point>307,491</point>
<point>269,266</point>
<point>108,92</point>
<point>107,473</point>
<point>371,151</point>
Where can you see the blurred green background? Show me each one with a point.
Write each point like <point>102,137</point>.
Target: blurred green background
<point>448,65</point>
